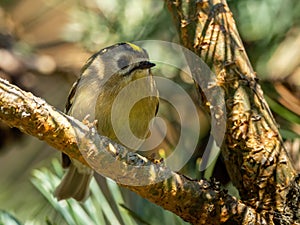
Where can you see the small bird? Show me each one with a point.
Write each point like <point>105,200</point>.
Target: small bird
<point>103,77</point>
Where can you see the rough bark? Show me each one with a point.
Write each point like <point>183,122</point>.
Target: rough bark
<point>253,150</point>
<point>254,155</point>
<point>198,202</point>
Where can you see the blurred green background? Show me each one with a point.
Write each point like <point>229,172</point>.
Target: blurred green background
<point>43,45</point>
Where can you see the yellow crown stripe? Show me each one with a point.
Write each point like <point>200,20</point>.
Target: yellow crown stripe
<point>135,47</point>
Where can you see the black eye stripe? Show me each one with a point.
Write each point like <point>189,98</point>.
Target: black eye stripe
<point>139,65</point>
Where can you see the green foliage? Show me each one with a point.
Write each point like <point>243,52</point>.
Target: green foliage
<point>96,210</point>
<point>93,211</point>
<point>264,20</point>
<point>8,219</point>
<point>263,25</point>
<point>99,23</point>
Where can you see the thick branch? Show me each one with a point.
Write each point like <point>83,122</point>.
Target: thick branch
<point>253,151</point>
<point>198,202</point>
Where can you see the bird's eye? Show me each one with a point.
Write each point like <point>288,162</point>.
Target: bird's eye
<point>123,62</point>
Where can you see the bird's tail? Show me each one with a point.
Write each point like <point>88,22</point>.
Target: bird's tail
<point>75,183</point>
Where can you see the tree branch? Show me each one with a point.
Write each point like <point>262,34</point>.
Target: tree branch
<point>253,151</point>
<point>254,155</point>
<point>198,202</point>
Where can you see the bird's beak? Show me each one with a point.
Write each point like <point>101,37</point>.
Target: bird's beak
<point>145,65</point>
